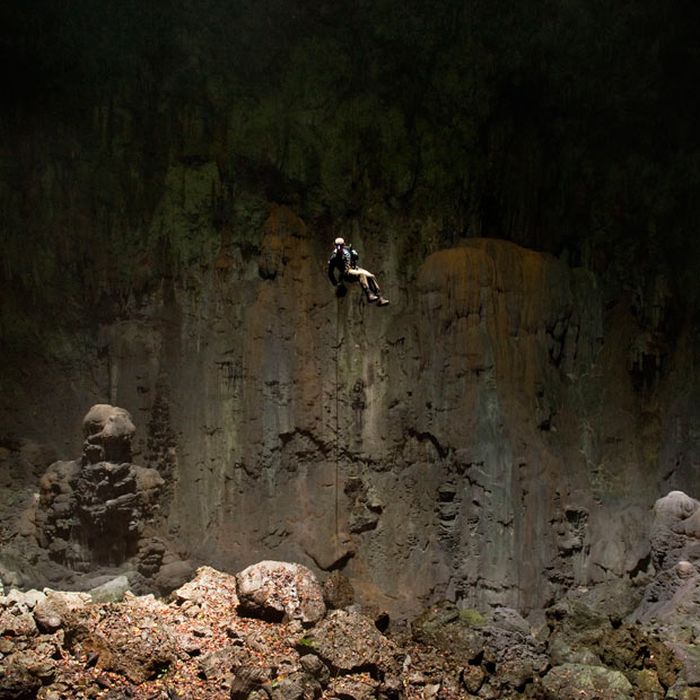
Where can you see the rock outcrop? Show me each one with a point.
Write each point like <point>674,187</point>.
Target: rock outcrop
<point>91,523</point>
<point>92,512</point>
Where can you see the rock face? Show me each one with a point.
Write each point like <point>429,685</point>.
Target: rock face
<point>475,440</point>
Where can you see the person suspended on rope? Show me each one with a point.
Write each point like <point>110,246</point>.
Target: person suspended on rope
<point>344,260</point>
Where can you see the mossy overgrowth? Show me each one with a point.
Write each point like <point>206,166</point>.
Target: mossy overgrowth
<point>471,617</point>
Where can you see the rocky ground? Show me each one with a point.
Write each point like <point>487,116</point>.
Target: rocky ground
<point>274,632</point>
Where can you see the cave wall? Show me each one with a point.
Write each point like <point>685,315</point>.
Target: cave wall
<point>494,436</point>
<point>481,438</point>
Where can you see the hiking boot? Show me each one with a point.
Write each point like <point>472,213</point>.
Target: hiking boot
<point>382,301</point>
<point>371,298</point>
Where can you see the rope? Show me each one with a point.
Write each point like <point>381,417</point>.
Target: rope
<point>337,419</point>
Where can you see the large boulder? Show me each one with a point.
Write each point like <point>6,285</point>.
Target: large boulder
<point>172,575</point>
<point>450,629</point>
<point>128,639</point>
<point>274,590</point>
<point>582,682</point>
<point>576,629</point>
<point>111,591</point>
<point>59,609</point>
<point>16,621</point>
<point>348,641</point>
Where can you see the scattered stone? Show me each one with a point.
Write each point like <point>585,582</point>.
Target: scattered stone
<point>356,688</point>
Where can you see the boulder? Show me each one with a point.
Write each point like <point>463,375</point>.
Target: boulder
<point>635,647</point>
<point>575,631</point>
<point>16,681</point>
<point>111,591</point>
<point>314,667</point>
<point>247,678</point>
<point>499,644</point>
<point>273,591</point>
<point>682,691</point>
<point>294,686</point>
<point>207,581</point>
<point>448,628</point>
<point>16,622</point>
<point>173,575</point>
<point>130,639</point>
<point>516,658</point>
<point>27,600</point>
<point>347,642</point>
<point>581,682</point>
<point>59,609</point>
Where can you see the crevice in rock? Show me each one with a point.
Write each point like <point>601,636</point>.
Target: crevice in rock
<point>426,436</point>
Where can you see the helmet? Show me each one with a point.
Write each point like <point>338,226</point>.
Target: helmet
<point>340,241</point>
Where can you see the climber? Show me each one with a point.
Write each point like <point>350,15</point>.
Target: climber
<point>344,259</point>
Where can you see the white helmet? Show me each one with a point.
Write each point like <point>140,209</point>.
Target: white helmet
<point>340,241</point>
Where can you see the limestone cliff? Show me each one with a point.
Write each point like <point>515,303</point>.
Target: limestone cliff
<point>496,435</point>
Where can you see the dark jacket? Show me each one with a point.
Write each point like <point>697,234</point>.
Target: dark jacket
<point>341,260</point>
